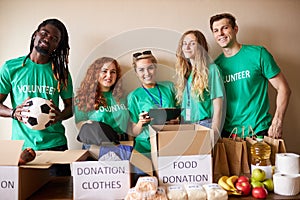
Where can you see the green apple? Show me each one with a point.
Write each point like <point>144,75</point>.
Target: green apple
<point>256,184</point>
<point>258,174</point>
<point>269,185</point>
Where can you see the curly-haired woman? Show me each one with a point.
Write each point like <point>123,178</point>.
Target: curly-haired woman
<point>99,97</point>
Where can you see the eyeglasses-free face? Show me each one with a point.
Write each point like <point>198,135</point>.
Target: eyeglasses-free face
<point>146,72</point>
<point>108,76</point>
<point>138,54</point>
<point>189,46</point>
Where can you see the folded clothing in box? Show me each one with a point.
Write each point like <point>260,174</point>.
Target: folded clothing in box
<point>122,151</point>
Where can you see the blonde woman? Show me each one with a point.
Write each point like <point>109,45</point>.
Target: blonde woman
<point>199,86</point>
<point>151,94</point>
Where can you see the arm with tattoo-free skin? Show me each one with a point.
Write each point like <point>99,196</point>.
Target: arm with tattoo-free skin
<point>217,117</point>
<point>138,127</point>
<point>66,113</point>
<point>4,110</point>
<point>280,84</point>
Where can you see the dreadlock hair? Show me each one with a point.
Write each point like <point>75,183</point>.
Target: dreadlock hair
<point>59,57</point>
<point>89,95</point>
<point>199,70</point>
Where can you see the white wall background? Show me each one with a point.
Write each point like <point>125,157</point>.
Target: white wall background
<point>117,28</point>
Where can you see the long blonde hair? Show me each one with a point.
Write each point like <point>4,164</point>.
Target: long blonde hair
<point>199,70</point>
<point>89,96</point>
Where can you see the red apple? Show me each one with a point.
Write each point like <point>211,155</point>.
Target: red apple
<point>259,193</point>
<point>242,179</point>
<point>244,187</point>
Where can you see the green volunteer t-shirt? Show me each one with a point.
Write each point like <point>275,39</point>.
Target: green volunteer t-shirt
<point>139,100</point>
<point>34,80</point>
<point>246,77</point>
<point>202,109</point>
<point>115,114</point>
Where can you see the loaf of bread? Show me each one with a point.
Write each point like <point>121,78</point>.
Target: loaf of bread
<point>160,194</point>
<point>134,195</point>
<point>195,192</point>
<point>146,187</point>
<point>131,194</point>
<point>176,193</point>
<point>215,192</point>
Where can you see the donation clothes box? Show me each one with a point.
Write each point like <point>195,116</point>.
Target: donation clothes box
<point>101,179</point>
<point>181,153</point>
<point>106,179</point>
<point>20,182</point>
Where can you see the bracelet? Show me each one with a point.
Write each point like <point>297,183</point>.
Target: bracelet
<point>13,114</point>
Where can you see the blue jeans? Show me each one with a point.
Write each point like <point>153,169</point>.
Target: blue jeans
<point>206,122</point>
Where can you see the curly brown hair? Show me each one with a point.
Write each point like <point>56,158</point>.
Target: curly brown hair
<point>89,96</point>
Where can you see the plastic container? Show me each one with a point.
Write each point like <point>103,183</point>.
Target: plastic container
<point>260,156</point>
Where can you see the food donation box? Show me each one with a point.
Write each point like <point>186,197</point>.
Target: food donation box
<point>181,154</point>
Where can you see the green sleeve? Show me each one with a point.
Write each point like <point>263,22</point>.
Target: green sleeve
<point>80,115</point>
<point>5,82</point>
<point>268,64</point>
<point>216,86</point>
<point>133,108</point>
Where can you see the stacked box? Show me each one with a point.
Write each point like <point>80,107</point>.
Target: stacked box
<point>181,154</point>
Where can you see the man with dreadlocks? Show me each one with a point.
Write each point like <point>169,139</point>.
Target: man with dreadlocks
<point>42,73</point>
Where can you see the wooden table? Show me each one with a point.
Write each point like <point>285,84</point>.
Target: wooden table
<point>62,188</point>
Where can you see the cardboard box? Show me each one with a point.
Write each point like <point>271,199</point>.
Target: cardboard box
<point>181,153</point>
<point>106,179</point>
<point>180,170</point>
<point>19,182</point>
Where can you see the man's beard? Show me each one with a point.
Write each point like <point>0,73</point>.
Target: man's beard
<point>42,51</point>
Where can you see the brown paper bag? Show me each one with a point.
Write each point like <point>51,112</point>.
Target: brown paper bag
<point>245,165</point>
<point>237,155</point>
<point>220,163</point>
<point>277,146</point>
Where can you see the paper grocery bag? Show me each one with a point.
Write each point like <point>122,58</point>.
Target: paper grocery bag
<point>237,156</point>
<point>220,163</point>
<point>234,155</point>
<point>277,146</point>
<point>245,165</point>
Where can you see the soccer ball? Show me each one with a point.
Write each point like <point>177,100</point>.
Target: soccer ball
<point>38,115</point>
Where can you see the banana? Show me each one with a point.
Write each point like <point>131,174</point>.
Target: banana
<point>231,181</point>
<point>224,185</point>
<point>234,192</point>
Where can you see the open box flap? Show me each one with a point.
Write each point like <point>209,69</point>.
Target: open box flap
<point>44,159</point>
<point>10,151</point>
<point>142,162</point>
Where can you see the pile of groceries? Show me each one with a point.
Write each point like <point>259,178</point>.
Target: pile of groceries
<point>147,188</point>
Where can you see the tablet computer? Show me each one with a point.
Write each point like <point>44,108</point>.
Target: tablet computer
<point>163,115</point>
